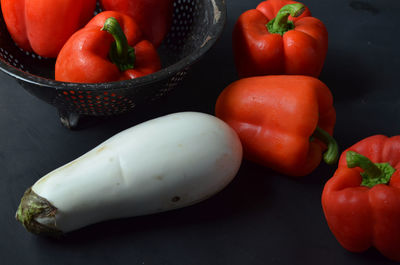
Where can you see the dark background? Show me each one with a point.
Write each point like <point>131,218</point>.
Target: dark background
<point>262,217</point>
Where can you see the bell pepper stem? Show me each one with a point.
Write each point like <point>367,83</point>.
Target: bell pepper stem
<point>120,52</point>
<point>355,159</point>
<point>374,173</point>
<point>280,24</point>
<point>331,154</point>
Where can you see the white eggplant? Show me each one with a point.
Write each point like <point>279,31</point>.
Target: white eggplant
<point>159,165</point>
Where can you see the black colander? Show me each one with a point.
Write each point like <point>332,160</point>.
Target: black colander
<point>195,27</point>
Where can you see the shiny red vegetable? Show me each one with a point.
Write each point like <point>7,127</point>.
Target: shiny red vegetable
<point>361,201</point>
<point>284,122</point>
<point>154,17</point>
<point>43,26</point>
<point>109,48</point>
<point>279,37</point>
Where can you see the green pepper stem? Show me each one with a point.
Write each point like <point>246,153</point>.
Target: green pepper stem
<point>332,152</point>
<point>355,159</point>
<point>120,53</point>
<point>280,24</point>
<point>374,173</point>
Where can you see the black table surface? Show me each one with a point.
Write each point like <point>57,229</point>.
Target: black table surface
<point>262,217</point>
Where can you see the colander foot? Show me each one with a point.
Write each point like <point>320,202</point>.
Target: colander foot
<point>68,119</point>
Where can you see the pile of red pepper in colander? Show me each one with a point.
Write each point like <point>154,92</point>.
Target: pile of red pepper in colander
<point>124,48</point>
<point>285,118</point>
<point>282,112</point>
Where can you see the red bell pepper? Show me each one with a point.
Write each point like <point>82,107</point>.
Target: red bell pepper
<point>266,40</point>
<point>109,48</point>
<point>361,202</point>
<point>154,17</point>
<point>43,26</point>
<point>284,122</point>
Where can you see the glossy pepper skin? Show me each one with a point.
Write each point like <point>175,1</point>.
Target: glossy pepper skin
<point>154,17</point>
<point>85,58</point>
<point>275,116</point>
<point>297,47</point>
<point>43,26</point>
<point>363,216</point>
